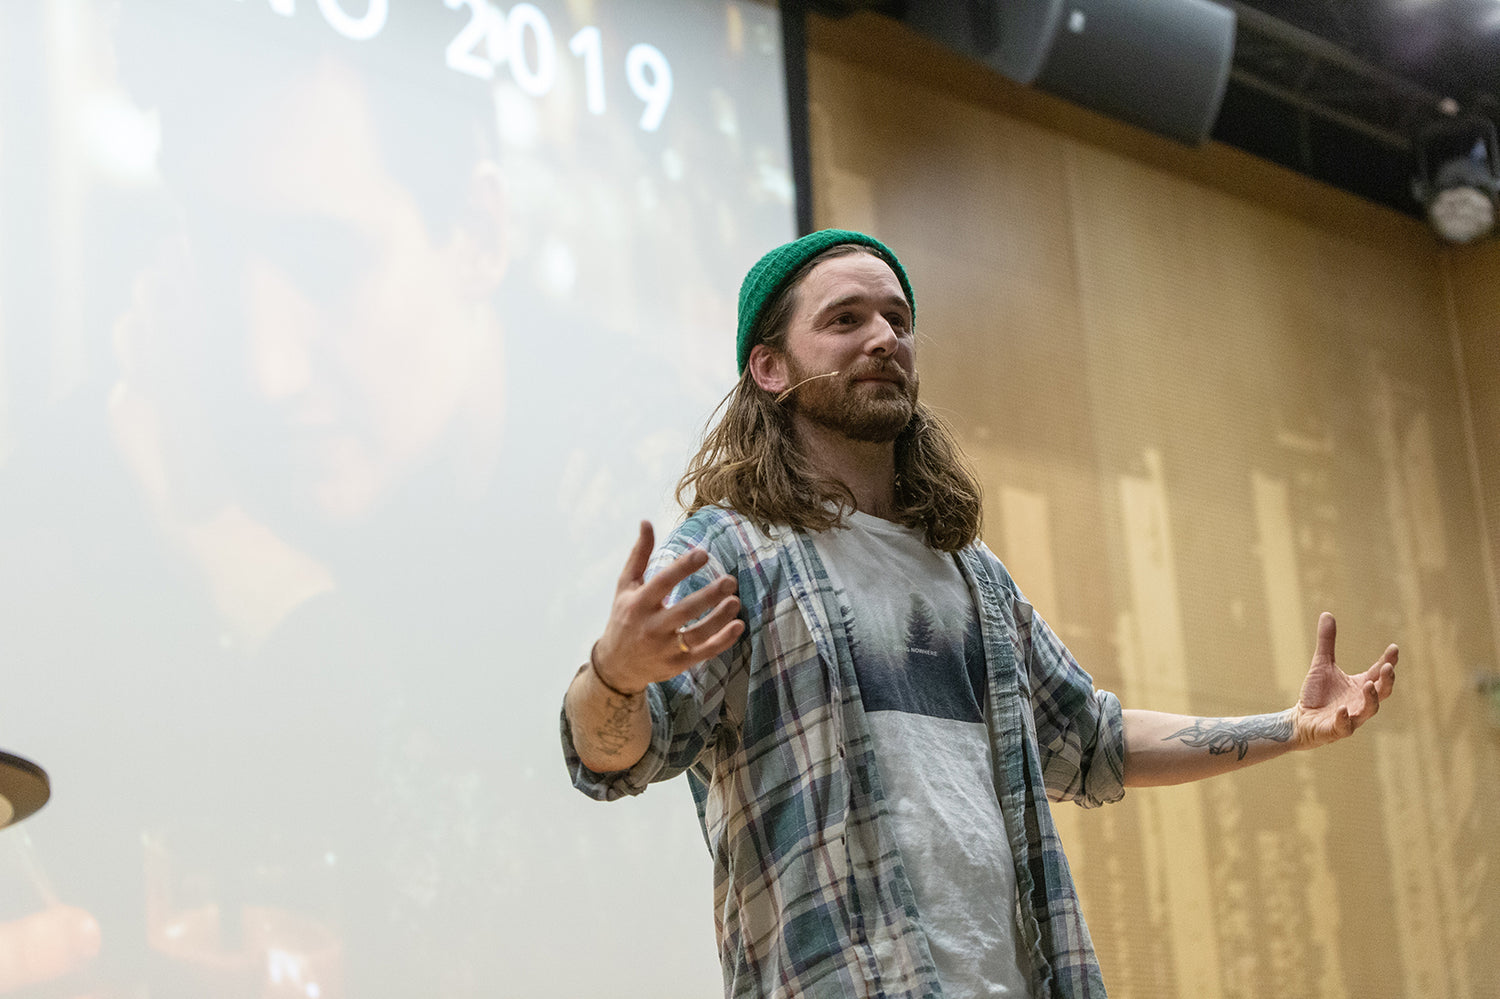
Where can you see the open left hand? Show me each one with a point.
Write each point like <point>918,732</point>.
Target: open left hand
<point>1334,703</point>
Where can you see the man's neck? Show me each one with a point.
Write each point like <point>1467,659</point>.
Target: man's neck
<point>868,470</point>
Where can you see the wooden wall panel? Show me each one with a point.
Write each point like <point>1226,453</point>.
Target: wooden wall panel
<point>1473,275</point>
<point>1207,401</point>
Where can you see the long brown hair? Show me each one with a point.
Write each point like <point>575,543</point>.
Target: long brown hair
<point>750,461</point>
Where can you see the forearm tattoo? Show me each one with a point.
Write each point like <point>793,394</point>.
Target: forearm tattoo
<point>1224,735</point>
<point>614,730</point>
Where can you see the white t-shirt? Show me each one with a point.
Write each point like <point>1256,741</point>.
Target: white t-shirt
<point>918,655</point>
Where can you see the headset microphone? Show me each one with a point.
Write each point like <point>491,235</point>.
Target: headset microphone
<point>809,378</point>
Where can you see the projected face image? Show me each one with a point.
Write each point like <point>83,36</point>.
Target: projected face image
<point>318,435</point>
<point>366,334</point>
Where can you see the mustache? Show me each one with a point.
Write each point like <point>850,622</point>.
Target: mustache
<point>879,368</point>
<point>873,368</point>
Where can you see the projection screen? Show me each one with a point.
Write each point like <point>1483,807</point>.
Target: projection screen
<point>343,345</point>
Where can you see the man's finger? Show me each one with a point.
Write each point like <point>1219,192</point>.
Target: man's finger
<point>658,586</point>
<point>1327,631</point>
<point>722,614</point>
<point>1386,681</point>
<point>697,603</point>
<point>640,556</point>
<point>719,641</point>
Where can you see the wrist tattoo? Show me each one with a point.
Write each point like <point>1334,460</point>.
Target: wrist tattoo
<point>1224,735</point>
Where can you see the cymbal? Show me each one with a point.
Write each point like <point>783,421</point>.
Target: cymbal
<point>24,788</point>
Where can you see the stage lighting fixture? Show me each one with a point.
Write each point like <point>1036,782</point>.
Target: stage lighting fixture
<point>24,788</point>
<point>1457,182</point>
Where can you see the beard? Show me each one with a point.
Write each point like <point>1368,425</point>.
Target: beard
<point>872,412</point>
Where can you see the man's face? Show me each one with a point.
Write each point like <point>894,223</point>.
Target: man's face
<point>364,334</point>
<point>852,318</point>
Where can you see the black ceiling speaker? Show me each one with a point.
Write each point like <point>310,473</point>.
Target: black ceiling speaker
<point>1158,64</point>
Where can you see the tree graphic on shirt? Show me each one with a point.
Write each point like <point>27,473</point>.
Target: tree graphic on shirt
<point>851,629</point>
<point>921,631</point>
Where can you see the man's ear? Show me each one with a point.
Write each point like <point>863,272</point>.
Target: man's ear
<point>769,369</point>
<point>481,235</point>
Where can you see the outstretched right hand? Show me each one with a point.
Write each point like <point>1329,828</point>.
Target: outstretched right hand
<point>646,640</point>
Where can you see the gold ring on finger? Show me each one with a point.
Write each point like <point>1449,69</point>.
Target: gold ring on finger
<point>682,641</point>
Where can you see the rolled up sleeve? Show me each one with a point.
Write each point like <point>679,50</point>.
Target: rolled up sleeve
<point>617,784</point>
<point>1080,730</point>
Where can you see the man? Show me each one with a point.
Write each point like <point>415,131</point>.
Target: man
<point>869,712</point>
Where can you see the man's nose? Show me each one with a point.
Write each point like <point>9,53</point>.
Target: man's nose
<point>882,337</point>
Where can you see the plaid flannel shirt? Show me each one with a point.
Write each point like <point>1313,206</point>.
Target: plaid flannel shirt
<point>810,895</point>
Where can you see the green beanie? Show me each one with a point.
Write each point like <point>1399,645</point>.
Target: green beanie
<point>773,271</point>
